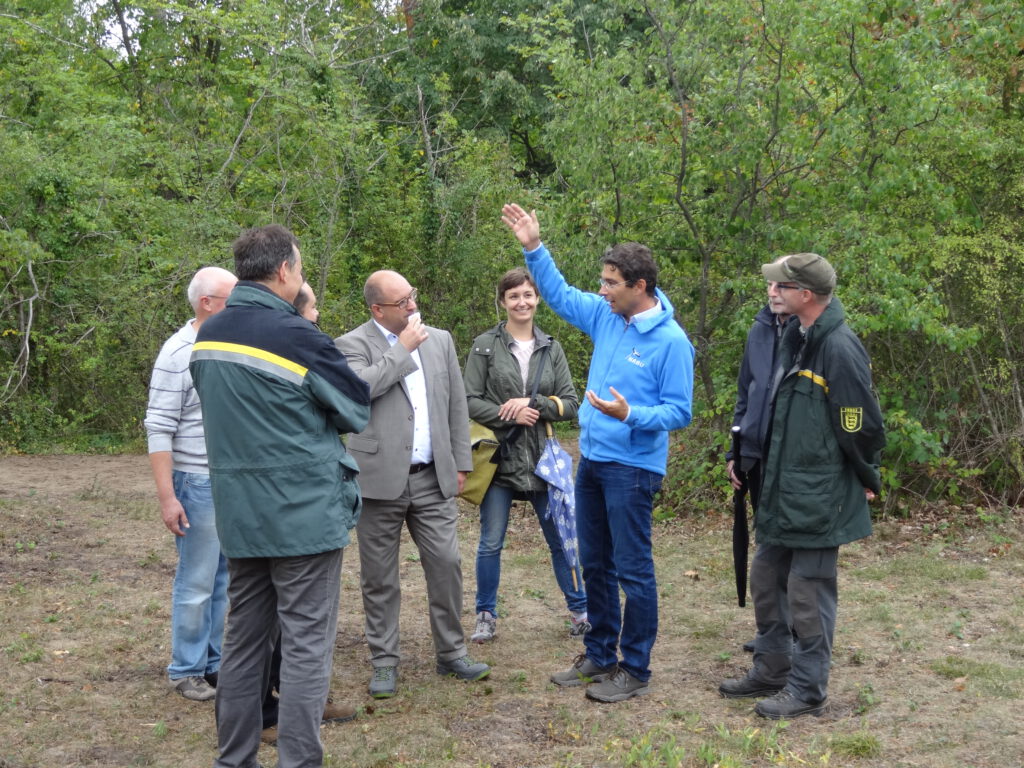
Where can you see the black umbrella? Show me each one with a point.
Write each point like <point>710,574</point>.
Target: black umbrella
<point>740,535</point>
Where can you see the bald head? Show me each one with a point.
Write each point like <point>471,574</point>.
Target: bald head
<point>390,298</point>
<point>379,284</point>
<point>305,304</point>
<point>208,291</point>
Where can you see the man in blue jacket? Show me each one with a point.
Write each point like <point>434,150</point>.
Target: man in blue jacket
<point>639,387</point>
<point>275,395</point>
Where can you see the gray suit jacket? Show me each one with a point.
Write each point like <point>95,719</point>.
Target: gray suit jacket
<point>384,449</point>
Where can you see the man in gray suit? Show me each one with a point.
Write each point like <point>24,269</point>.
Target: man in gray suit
<point>413,459</point>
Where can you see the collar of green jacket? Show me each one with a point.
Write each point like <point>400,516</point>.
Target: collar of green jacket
<point>542,339</point>
<point>827,321</point>
<point>250,292</point>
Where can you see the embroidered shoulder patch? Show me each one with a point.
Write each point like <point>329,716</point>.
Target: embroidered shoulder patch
<point>851,418</point>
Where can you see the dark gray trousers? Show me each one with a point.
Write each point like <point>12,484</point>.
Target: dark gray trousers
<point>299,594</point>
<point>432,521</point>
<point>795,597</point>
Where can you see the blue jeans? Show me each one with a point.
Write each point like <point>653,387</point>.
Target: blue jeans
<point>614,504</point>
<point>199,598</point>
<point>494,511</point>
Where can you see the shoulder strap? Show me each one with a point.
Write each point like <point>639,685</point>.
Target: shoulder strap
<point>540,370</point>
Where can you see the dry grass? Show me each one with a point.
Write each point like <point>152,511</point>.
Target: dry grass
<point>929,654</point>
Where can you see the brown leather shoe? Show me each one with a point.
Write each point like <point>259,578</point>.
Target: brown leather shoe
<point>338,713</point>
<point>333,713</point>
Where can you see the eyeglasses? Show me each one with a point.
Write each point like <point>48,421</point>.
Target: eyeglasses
<point>401,303</point>
<point>784,287</point>
<point>604,282</point>
<point>211,296</point>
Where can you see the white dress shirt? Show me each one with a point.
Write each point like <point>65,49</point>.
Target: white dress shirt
<point>416,384</point>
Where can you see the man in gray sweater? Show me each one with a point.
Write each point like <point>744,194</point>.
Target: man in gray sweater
<point>177,454</point>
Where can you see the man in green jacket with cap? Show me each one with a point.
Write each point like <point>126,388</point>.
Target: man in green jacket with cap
<point>820,470</point>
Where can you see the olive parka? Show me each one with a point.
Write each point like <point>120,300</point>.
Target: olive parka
<point>492,377</point>
<point>825,440</point>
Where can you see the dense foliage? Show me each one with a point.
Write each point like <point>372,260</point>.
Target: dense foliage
<point>137,138</point>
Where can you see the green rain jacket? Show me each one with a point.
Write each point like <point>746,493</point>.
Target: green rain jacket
<point>275,393</point>
<point>492,377</point>
<point>825,439</point>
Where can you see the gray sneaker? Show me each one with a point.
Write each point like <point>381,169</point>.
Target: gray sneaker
<point>194,688</point>
<point>582,671</point>
<point>578,627</point>
<point>486,627</point>
<point>619,687</point>
<point>384,682</point>
<point>464,669</point>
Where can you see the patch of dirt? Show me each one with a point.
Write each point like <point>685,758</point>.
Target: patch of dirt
<point>64,478</point>
<point>928,667</point>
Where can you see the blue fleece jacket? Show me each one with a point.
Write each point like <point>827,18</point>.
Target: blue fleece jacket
<point>649,362</point>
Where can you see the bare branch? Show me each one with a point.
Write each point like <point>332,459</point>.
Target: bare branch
<point>26,312</point>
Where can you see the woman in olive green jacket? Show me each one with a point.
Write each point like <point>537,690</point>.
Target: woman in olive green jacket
<point>500,375</point>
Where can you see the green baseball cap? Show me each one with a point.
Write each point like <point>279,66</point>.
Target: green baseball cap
<point>808,270</point>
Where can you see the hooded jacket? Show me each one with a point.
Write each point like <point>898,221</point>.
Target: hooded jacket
<point>275,394</point>
<point>825,441</point>
<point>753,391</point>
<point>492,377</point>
<point>649,362</point>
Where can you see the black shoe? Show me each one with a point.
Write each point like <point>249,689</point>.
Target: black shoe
<point>749,646</point>
<point>785,706</point>
<point>747,688</point>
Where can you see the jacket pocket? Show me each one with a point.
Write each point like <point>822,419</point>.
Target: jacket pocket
<point>807,499</point>
<point>362,444</point>
<point>351,499</point>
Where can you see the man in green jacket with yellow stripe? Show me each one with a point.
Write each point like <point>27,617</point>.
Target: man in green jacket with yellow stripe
<point>275,394</point>
<point>820,470</point>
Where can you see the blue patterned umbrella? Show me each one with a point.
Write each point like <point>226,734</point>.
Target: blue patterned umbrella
<point>554,467</point>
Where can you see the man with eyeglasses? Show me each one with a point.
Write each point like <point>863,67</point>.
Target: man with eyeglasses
<point>753,407</point>
<point>177,454</point>
<point>819,471</point>
<point>639,387</point>
<point>413,459</point>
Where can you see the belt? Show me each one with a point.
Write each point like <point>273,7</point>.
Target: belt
<point>414,468</point>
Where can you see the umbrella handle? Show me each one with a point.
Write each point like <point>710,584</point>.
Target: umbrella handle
<point>547,429</point>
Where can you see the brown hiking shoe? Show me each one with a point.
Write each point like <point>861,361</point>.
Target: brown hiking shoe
<point>338,713</point>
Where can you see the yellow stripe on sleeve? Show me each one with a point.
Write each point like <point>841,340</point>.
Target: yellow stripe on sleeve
<point>255,352</point>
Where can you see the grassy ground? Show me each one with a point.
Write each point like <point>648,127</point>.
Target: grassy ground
<point>929,652</point>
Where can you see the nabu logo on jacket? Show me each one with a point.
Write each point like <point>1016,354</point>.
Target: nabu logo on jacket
<point>851,418</point>
<point>634,358</point>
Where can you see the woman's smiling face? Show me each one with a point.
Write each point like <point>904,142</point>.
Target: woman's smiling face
<point>520,303</point>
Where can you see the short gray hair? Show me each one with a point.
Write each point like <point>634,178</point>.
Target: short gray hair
<point>205,282</point>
